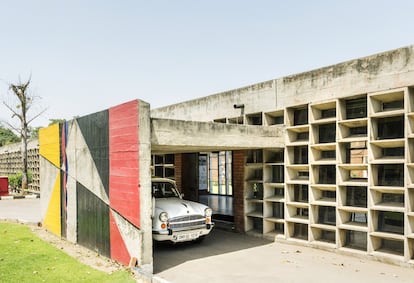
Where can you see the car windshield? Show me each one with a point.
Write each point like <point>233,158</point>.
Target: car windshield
<point>164,190</point>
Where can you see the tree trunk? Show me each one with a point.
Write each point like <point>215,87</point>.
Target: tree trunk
<point>24,160</point>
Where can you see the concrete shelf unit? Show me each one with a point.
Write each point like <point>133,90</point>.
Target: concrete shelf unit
<point>297,173</point>
<point>322,173</point>
<point>264,191</point>
<point>386,154</point>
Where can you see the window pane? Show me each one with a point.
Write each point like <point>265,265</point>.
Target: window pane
<point>356,196</point>
<point>327,215</point>
<point>391,222</point>
<point>356,108</point>
<point>356,240</point>
<point>300,116</point>
<point>327,133</point>
<point>391,127</point>
<point>391,175</point>
<point>327,174</point>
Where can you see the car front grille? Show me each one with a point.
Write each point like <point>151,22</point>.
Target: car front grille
<point>185,222</point>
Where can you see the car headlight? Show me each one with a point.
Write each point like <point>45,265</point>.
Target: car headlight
<point>164,216</point>
<point>208,212</point>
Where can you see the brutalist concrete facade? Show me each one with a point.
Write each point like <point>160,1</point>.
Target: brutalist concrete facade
<point>344,178</point>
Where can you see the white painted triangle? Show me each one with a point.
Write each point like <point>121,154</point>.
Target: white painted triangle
<point>81,166</point>
<point>130,235</point>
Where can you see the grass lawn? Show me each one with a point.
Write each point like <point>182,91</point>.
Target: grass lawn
<point>26,258</point>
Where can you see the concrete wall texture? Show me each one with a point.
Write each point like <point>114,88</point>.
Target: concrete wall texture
<point>91,189</point>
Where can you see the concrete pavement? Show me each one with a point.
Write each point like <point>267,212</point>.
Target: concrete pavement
<point>24,210</point>
<point>232,257</point>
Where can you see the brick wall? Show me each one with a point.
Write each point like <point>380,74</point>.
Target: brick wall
<point>178,169</point>
<point>238,187</point>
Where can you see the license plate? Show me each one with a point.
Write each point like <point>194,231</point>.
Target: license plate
<point>187,236</point>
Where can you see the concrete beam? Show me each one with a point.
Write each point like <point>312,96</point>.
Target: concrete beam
<point>176,136</point>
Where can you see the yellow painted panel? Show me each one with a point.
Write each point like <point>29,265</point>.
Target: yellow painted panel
<point>52,221</point>
<point>49,145</point>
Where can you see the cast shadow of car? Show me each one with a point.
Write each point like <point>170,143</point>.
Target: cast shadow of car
<point>219,241</point>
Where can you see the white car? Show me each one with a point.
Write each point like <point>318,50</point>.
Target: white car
<point>175,219</point>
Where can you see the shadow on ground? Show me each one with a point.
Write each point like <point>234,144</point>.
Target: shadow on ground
<point>218,242</point>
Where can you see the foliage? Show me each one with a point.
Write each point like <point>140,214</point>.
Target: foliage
<point>54,121</point>
<point>33,132</point>
<point>15,180</point>
<point>26,258</point>
<point>7,137</point>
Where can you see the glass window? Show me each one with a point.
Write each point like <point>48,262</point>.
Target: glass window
<point>393,105</point>
<point>327,174</point>
<point>358,217</point>
<point>302,212</point>
<point>327,215</point>
<point>220,173</point>
<point>358,131</point>
<point>327,133</point>
<point>278,174</point>
<point>391,222</point>
<point>391,127</point>
<point>328,113</point>
<point>300,231</point>
<point>356,108</point>
<point>356,240</point>
<point>328,154</point>
<point>392,198</point>
<point>328,236</point>
<point>300,116</point>
<point>391,175</point>
<point>304,136</point>
<point>300,155</point>
<point>278,210</point>
<point>301,193</point>
<point>393,151</point>
<point>356,196</point>
<point>329,194</point>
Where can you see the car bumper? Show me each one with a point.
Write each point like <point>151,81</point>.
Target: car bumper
<point>181,236</point>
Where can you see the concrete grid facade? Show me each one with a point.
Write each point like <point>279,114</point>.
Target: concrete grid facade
<point>343,180</point>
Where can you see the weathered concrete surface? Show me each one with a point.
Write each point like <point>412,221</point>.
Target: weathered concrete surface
<point>231,257</point>
<point>257,97</point>
<point>187,136</point>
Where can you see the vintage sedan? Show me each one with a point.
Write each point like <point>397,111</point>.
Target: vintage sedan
<point>175,219</point>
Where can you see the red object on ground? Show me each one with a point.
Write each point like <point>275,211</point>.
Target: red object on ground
<point>4,186</point>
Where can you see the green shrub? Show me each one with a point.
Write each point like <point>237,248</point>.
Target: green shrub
<point>15,180</point>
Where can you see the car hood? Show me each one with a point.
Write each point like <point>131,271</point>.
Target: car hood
<point>179,207</point>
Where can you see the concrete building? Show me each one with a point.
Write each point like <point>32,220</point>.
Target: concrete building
<point>323,158</point>
<point>343,179</point>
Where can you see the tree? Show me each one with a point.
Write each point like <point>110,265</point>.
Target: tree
<point>20,110</point>
<point>7,136</point>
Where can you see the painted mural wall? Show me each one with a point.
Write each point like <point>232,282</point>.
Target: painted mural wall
<point>90,181</point>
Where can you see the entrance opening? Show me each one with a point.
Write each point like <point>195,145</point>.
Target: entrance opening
<point>215,183</point>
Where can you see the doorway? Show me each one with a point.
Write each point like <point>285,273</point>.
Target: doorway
<point>216,183</point>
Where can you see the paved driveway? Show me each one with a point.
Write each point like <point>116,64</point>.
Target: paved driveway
<point>23,210</point>
<point>230,257</point>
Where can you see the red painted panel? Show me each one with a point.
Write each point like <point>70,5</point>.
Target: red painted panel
<point>119,251</point>
<point>124,161</point>
<point>4,186</point>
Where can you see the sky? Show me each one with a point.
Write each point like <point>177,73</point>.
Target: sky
<point>87,56</point>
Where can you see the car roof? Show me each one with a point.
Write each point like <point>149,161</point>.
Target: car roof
<point>158,179</point>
